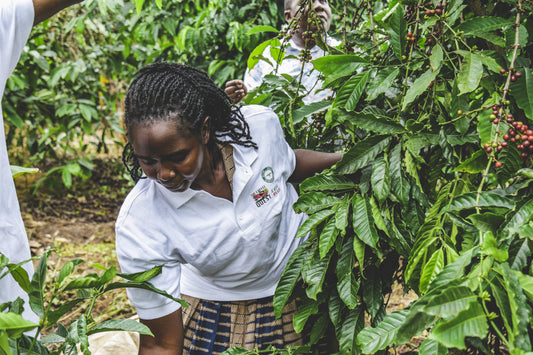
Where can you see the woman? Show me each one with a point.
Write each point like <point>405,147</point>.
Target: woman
<point>213,203</point>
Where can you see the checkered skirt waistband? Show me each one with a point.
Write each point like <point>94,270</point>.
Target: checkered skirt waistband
<point>212,327</point>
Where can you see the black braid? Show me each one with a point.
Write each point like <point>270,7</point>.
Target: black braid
<point>131,162</point>
<point>169,91</point>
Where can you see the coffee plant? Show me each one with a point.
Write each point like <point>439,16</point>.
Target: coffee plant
<point>433,107</point>
<point>20,336</point>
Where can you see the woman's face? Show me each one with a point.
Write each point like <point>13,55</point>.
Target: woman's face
<point>169,154</point>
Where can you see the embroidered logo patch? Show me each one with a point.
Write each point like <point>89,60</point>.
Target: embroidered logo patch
<point>261,196</point>
<point>268,174</point>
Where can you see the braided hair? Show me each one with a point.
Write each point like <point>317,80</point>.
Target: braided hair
<point>169,91</point>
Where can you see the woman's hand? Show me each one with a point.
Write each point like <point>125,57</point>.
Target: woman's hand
<point>236,90</point>
<point>168,335</point>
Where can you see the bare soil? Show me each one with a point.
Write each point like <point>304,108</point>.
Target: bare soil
<point>78,224</point>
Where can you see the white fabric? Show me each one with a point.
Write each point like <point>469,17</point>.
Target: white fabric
<point>291,65</point>
<point>113,342</point>
<point>16,20</point>
<point>221,250</point>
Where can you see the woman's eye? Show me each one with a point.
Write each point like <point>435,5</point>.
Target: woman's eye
<point>147,161</point>
<point>177,160</point>
<point>178,157</point>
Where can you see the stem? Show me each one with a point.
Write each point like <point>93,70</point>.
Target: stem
<point>457,37</point>
<point>480,187</point>
<point>479,191</point>
<point>409,58</point>
<point>91,305</point>
<point>344,14</point>
<point>370,14</point>
<point>507,344</point>
<point>516,45</point>
<point>357,17</point>
<point>43,321</point>
<point>449,59</point>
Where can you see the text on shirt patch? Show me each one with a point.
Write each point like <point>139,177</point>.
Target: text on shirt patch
<point>276,190</point>
<point>261,196</point>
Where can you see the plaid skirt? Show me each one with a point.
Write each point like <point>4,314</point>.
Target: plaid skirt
<point>212,327</point>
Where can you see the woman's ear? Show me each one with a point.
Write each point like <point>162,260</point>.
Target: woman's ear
<point>206,130</point>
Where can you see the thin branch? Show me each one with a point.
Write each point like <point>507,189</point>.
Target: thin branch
<point>516,45</point>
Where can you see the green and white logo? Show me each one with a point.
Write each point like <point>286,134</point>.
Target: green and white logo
<point>268,174</point>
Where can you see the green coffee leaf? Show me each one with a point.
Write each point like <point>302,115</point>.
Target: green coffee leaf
<point>372,340</point>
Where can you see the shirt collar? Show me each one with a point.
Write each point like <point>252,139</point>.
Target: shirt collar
<point>176,199</point>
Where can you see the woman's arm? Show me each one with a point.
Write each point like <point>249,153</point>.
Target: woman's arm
<point>168,335</point>
<point>310,162</point>
<point>47,8</point>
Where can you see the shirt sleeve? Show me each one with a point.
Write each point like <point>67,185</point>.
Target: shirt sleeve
<point>16,21</point>
<point>266,130</point>
<point>138,252</point>
<point>280,141</point>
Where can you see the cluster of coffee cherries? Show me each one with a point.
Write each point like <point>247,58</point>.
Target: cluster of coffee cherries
<point>410,37</point>
<point>411,41</point>
<point>515,75</point>
<point>305,56</point>
<point>307,36</point>
<point>318,120</point>
<point>436,11</point>
<point>518,133</point>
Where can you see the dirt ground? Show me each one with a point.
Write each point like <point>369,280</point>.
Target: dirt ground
<point>78,224</point>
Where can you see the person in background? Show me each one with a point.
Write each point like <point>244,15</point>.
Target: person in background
<point>301,39</point>
<point>213,204</point>
<point>16,20</point>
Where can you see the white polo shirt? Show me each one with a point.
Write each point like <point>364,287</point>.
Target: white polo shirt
<point>220,250</point>
<point>16,21</point>
<point>291,65</point>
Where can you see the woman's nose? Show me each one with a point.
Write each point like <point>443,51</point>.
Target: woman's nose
<point>165,172</point>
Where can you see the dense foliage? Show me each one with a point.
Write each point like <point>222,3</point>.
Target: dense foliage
<point>434,108</point>
<point>63,103</point>
<point>434,192</point>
